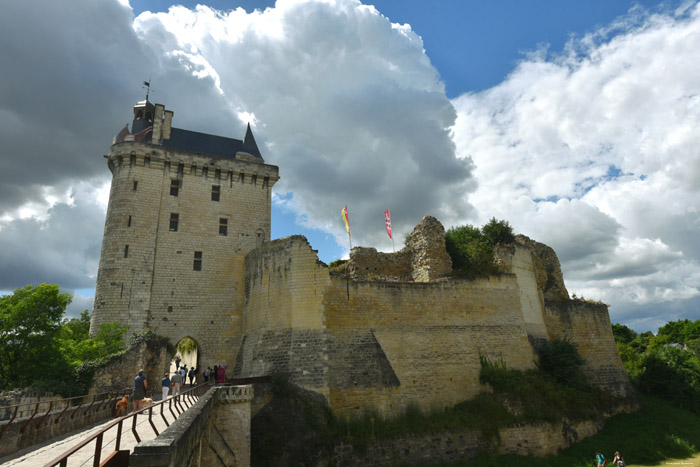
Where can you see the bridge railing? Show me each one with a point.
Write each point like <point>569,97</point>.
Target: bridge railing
<point>168,410</point>
<point>22,425</point>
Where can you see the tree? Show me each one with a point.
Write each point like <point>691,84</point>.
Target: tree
<point>495,232</point>
<point>30,319</point>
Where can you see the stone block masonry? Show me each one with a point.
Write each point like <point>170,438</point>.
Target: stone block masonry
<point>178,227</point>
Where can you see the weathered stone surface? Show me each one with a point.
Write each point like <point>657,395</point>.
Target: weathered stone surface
<point>548,270</point>
<point>423,259</point>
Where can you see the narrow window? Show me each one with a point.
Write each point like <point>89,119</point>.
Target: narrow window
<point>205,172</point>
<point>215,192</point>
<point>126,251</point>
<point>180,169</point>
<point>147,161</point>
<point>217,174</point>
<point>197,261</point>
<point>241,177</point>
<point>136,184</point>
<point>174,218</point>
<point>223,226</point>
<point>128,224</point>
<point>254,180</point>
<point>132,160</point>
<point>174,187</point>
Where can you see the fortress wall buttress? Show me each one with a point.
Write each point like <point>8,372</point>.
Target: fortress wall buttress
<point>283,319</point>
<point>587,325</point>
<point>391,344</point>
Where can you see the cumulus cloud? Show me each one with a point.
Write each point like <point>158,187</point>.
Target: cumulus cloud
<point>594,151</point>
<point>348,106</point>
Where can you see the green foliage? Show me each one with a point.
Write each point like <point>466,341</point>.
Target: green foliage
<point>42,351</point>
<point>496,232</point>
<point>30,321</point>
<point>338,266</point>
<point>673,374</point>
<point>657,433</point>
<point>623,334</point>
<point>471,249</point>
<point>560,359</point>
<point>186,345</point>
<point>660,369</point>
<point>471,254</point>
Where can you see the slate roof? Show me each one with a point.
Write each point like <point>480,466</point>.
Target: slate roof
<point>211,144</point>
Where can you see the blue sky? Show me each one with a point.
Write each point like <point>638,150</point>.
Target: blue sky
<point>575,121</point>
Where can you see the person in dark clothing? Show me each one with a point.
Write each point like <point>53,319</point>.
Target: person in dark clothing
<point>214,373</point>
<point>191,375</point>
<point>140,386</point>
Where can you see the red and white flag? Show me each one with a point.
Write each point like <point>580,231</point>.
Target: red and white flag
<point>387,219</point>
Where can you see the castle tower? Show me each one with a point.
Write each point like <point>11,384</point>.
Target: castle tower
<point>184,210</point>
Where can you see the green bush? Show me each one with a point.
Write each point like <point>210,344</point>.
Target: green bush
<point>471,249</point>
<point>560,359</point>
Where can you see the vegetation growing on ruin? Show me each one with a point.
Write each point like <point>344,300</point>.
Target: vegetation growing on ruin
<point>338,266</point>
<point>472,249</point>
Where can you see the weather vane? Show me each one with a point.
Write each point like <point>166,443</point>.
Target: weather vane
<point>147,84</point>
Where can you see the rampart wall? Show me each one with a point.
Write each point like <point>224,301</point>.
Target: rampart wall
<point>587,324</point>
<point>385,343</point>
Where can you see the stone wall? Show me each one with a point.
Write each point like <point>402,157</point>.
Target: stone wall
<point>419,342</point>
<point>587,324</point>
<point>118,376</point>
<point>423,259</point>
<point>215,431</point>
<point>147,276</point>
<point>367,263</point>
<point>447,447</point>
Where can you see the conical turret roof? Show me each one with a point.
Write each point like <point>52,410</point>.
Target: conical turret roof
<point>249,144</point>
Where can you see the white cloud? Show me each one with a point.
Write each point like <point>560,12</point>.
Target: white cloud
<point>595,153</point>
<point>347,104</point>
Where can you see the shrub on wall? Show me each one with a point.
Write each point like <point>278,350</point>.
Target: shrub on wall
<point>471,248</point>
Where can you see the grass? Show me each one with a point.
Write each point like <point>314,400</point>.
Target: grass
<point>654,436</point>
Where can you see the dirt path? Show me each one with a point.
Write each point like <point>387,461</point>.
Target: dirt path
<point>691,461</point>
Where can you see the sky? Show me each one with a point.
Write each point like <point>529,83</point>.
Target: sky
<point>577,122</point>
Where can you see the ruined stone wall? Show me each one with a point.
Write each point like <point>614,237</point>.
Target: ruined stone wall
<point>283,318</point>
<point>118,376</point>
<point>429,258</point>
<point>454,446</point>
<point>392,344</point>
<point>367,263</point>
<point>587,325</point>
<point>423,259</point>
<point>155,284</point>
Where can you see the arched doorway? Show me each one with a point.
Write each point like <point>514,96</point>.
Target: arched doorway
<point>186,354</point>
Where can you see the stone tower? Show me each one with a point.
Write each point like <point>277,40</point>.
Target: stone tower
<point>184,210</point>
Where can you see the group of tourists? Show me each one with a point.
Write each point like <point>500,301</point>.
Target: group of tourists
<point>601,461</point>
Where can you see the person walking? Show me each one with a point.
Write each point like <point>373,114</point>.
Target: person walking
<point>191,375</point>
<point>600,459</point>
<point>140,386</point>
<point>177,379</point>
<point>618,461</point>
<point>177,363</point>
<point>165,385</point>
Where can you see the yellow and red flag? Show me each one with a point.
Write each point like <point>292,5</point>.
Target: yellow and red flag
<point>387,221</point>
<point>344,213</point>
